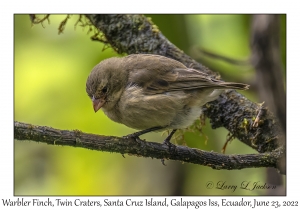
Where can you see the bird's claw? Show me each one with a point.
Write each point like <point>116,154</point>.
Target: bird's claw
<point>132,136</point>
<point>168,143</point>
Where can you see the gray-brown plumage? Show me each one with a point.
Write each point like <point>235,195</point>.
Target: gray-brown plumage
<point>152,92</point>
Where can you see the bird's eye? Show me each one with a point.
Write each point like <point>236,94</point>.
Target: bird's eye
<point>104,90</point>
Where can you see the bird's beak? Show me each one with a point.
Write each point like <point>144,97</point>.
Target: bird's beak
<point>98,103</point>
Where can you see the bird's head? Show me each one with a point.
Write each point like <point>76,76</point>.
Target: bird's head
<point>106,83</point>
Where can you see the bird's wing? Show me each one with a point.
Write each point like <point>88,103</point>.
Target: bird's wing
<point>159,74</point>
<point>154,82</point>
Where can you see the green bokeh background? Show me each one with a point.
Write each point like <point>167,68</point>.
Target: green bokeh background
<point>49,90</point>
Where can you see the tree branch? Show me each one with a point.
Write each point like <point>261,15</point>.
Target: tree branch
<point>266,58</point>
<point>23,131</point>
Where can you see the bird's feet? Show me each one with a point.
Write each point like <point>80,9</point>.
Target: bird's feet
<point>168,143</point>
<point>133,136</point>
<point>137,135</point>
<point>168,139</point>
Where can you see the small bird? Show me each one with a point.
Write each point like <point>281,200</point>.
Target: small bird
<point>151,92</point>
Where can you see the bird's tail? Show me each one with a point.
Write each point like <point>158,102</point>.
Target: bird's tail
<point>234,85</point>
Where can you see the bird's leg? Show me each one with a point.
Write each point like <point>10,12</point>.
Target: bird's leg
<point>139,133</point>
<point>167,140</point>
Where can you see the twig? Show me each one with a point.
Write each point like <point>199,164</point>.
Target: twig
<point>141,148</point>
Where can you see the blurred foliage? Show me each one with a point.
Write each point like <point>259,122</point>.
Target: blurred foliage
<point>49,83</point>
